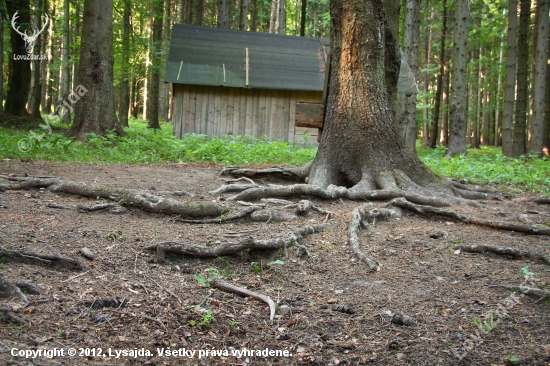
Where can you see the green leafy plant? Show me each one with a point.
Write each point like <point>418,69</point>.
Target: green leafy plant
<point>115,236</point>
<point>233,323</point>
<point>512,358</point>
<point>525,271</point>
<point>255,267</point>
<point>205,280</point>
<point>276,262</point>
<point>487,324</point>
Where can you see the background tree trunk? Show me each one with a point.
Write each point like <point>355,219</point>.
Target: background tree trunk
<point>155,64</point>
<point>439,81</point>
<point>223,14</point>
<point>360,146</point>
<point>546,128</point>
<point>2,19</point>
<point>510,92</point>
<point>124,103</point>
<point>457,130</point>
<point>36,88</point>
<point>19,80</point>
<point>95,111</point>
<point>65,77</point>
<point>426,86</point>
<point>303,18</point>
<point>273,16</point>
<point>243,15</point>
<point>519,143</point>
<point>444,111</point>
<point>496,142</point>
<point>536,129</point>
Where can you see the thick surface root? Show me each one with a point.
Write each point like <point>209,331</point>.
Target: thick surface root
<point>512,226</point>
<point>51,260</point>
<point>512,252</point>
<point>202,251</point>
<point>139,199</point>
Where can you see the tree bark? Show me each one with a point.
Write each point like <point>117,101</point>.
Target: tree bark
<point>303,18</point>
<point>496,142</point>
<point>65,77</point>
<point>536,129</point>
<point>223,14</point>
<point>426,86</point>
<point>439,80</point>
<point>360,146</point>
<point>156,47</point>
<point>273,15</point>
<point>95,110</point>
<point>2,19</point>
<point>124,103</point>
<point>457,131</point>
<point>243,15</point>
<point>36,88</point>
<point>444,132</point>
<point>509,94</point>
<point>519,143</point>
<point>280,24</point>
<point>546,127</point>
<point>19,79</point>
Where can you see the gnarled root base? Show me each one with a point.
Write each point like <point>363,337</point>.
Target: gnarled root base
<point>142,200</point>
<point>229,249</point>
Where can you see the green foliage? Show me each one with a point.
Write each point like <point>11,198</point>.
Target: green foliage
<point>512,358</point>
<point>205,280</point>
<point>525,271</point>
<point>488,166</point>
<point>277,262</point>
<point>487,324</point>
<point>255,267</point>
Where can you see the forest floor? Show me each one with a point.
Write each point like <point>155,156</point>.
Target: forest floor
<point>461,312</point>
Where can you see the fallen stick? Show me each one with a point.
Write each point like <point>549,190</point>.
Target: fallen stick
<point>244,292</point>
<point>516,253</point>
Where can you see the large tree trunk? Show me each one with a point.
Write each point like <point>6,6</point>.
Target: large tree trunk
<point>95,109</point>
<point>155,64</point>
<point>457,131</point>
<point>536,129</point>
<point>510,93</point>
<point>519,144</point>
<point>36,88</point>
<point>426,86</point>
<point>360,146</point>
<point>223,14</point>
<point>439,82</point>
<point>243,15</point>
<point>2,18</point>
<point>19,79</point>
<point>546,127</point>
<point>124,103</point>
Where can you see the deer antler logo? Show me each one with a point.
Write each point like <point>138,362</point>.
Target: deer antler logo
<point>29,40</point>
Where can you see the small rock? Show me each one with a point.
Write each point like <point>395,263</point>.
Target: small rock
<point>117,210</point>
<point>524,219</point>
<point>439,234</point>
<point>344,309</point>
<point>402,319</point>
<point>284,309</point>
<point>332,301</point>
<point>87,253</point>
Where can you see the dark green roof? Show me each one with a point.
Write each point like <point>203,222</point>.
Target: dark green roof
<point>213,56</point>
<point>200,55</point>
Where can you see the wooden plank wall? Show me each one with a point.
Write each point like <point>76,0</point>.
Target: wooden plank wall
<point>218,111</point>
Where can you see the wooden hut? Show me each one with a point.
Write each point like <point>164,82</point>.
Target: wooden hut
<point>246,83</point>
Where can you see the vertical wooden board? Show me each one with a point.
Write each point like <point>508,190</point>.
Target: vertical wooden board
<point>204,110</point>
<point>217,112</point>
<point>223,111</point>
<point>236,110</point>
<point>210,111</point>
<point>262,114</point>
<point>177,112</point>
<point>229,111</point>
<point>242,111</point>
<point>256,112</point>
<point>249,110</point>
<point>285,116</point>
<point>271,128</point>
<point>192,108</point>
<point>185,125</point>
<point>292,116</point>
<point>199,117</point>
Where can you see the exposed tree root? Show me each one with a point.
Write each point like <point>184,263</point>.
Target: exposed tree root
<point>297,174</point>
<point>535,293</point>
<point>225,218</point>
<point>516,253</point>
<point>361,216</point>
<point>512,226</point>
<point>466,187</point>
<point>8,316</point>
<point>304,206</point>
<point>233,188</point>
<point>136,198</point>
<point>229,249</point>
<point>54,260</point>
<point>543,200</point>
<point>334,192</point>
<point>244,292</point>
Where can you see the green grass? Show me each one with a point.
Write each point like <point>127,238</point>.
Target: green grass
<point>145,146</point>
<point>488,166</point>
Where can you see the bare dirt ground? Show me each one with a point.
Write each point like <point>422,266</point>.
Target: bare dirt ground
<point>460,312</point>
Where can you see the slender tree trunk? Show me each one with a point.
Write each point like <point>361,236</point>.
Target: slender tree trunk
<point>75,36</point>
<point>243,16</point>
<point>497,95</point>
<point>65,77</point>
<point>273,15</point>
<point>155,64</point>
<point>536,128</point>
<point>223,14</point>
<point>19,80</point>
<point>444,134</point>
<point>546,128</point>
<point>124,102</point>
<point>519,144</point>
<point>164,100</point>
<point>281,17</point>
<point>303,18</point>
<point>2,19</point>
<point>426,86</point>
<point>36,89</point>
<point>95,108</point>
<point>254,16</point>
<point>457,131</point>
<point>198,12</point>
<point>439,82</point>
<point>485,118</point>
<point>509,94</point>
